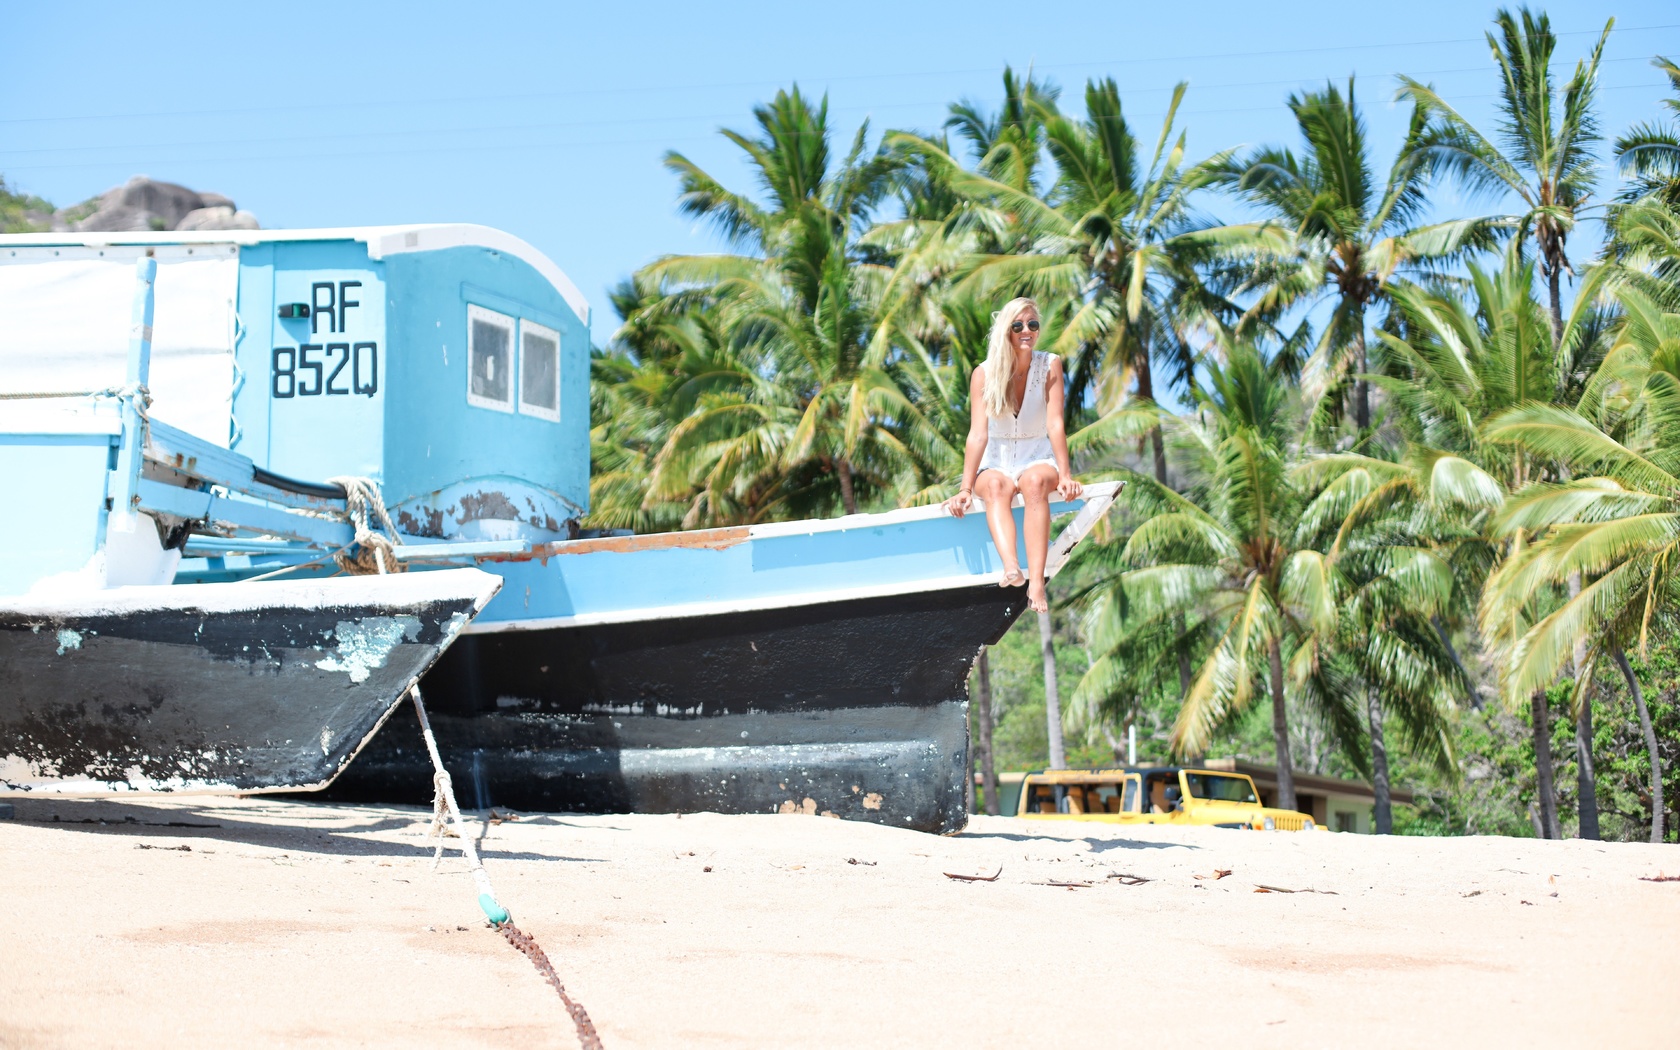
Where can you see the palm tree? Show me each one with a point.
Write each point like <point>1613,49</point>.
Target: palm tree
<point>800,308</point>
<point>1222,558</point>
<point>1544,150</point>
<point>1335,231</point>
<point>1615,522</point>
<point>641,387</point>
<point>1644,223</point>
<point>1650,154</point>
<point>1464,360</point>
<point>1008,145</point>
<point>1336,590</point>
<point>1384,578</point>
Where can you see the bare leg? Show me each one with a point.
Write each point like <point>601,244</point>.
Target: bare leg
<point>1037,483</point>
<point>998,492</point>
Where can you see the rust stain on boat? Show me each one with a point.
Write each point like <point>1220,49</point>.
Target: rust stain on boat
<point>704,539</point>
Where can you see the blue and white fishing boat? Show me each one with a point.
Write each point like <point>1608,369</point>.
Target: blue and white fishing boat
<point>118,680</point>
<point>815,666</point>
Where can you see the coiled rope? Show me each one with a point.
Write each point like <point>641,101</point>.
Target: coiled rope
<point>444,812</point>
<point>373,549</point>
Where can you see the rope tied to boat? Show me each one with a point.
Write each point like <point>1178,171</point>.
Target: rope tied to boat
<point>444,812</point>
<point>374,553</point>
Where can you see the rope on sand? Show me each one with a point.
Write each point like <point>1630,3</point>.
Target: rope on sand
<point>444,812</point>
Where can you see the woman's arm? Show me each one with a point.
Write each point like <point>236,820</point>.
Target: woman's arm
<point>975,446</point>
<point>1056,424</point>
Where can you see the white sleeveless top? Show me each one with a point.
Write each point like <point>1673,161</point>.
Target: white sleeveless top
<point>1016,442</point>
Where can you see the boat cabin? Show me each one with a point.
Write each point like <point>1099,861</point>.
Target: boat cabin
<point>449,363</point>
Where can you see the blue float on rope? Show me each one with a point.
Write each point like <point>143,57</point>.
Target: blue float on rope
<point>495,912</point>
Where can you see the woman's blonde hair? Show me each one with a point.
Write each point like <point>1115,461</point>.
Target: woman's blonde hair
<point>1000,355</point>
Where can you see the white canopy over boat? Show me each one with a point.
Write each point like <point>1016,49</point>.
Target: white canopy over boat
<point>66,318</point>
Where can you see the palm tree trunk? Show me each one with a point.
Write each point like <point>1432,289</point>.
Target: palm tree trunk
<point>1361,388</point>
<point>847,498</point>
<point>1146,390</point>
<point>1650,744</point>
<point>988,766</point>
<point>1383,811</point>
<point>1280,734</point>
<point>1541,713</point>
<point>1446,640</point>
<point>1052,699</point>
<point>1158,446</point>
<point>1586,782</point>
<point>1553,278</point>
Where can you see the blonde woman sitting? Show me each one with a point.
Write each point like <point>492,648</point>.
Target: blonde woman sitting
<point>1017,443</point>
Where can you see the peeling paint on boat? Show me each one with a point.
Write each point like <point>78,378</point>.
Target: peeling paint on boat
<point>364,644</point>
<point>68,639</point>
<point>201,707</point>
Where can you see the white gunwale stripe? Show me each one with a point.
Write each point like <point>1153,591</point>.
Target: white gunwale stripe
<point>1093,493</point>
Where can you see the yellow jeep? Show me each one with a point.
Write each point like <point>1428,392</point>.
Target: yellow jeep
<point>1168,795</point>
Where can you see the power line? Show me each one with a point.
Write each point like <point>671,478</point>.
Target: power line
<point>553,125</point>
<point>844,78</point>
<point>577,145</point>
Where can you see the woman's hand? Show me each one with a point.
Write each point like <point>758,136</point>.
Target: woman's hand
<point>957,505</point>
<point>1069,488</point>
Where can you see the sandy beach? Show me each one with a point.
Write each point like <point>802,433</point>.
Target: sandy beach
<point>258,922</point>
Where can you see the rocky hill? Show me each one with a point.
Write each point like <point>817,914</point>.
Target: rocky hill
<point>139,204</point>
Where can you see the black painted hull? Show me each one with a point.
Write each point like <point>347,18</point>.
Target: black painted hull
<point>857,709</point>
<point>215,688</point>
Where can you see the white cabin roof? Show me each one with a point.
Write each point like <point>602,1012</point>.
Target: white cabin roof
<point>381,241</point>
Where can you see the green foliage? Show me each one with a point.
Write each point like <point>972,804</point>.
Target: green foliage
<point>1542,151</point>
<point>1494,786</point>
<point>1500,519</point>
<point>23,212</point>
<point>1334,230</point>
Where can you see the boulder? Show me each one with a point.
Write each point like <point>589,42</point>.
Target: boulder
<point>147,204</point>
<point>218,217</point>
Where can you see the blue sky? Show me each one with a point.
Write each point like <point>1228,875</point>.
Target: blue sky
<point>550,120</point>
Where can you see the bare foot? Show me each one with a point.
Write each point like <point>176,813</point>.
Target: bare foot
<point>1012,578</point>
<point>1037,599</point>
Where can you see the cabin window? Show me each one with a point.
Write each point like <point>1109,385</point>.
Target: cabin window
<point>539,370</point>
<point>489,359</point>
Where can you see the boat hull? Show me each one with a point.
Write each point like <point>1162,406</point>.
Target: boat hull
<point>215,688</point>
<point>855,709</point>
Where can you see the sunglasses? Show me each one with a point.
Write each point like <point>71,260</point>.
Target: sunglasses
<point>1030,325</point>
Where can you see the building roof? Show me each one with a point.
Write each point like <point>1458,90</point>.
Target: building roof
<point>1266,775</point>
<point>381,241</point>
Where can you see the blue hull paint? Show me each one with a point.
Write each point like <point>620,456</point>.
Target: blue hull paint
<point>602,581</point>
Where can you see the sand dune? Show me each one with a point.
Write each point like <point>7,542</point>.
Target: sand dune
<point>255,922</point>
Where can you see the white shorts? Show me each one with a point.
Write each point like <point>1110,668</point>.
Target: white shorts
<point>1014,473</point>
